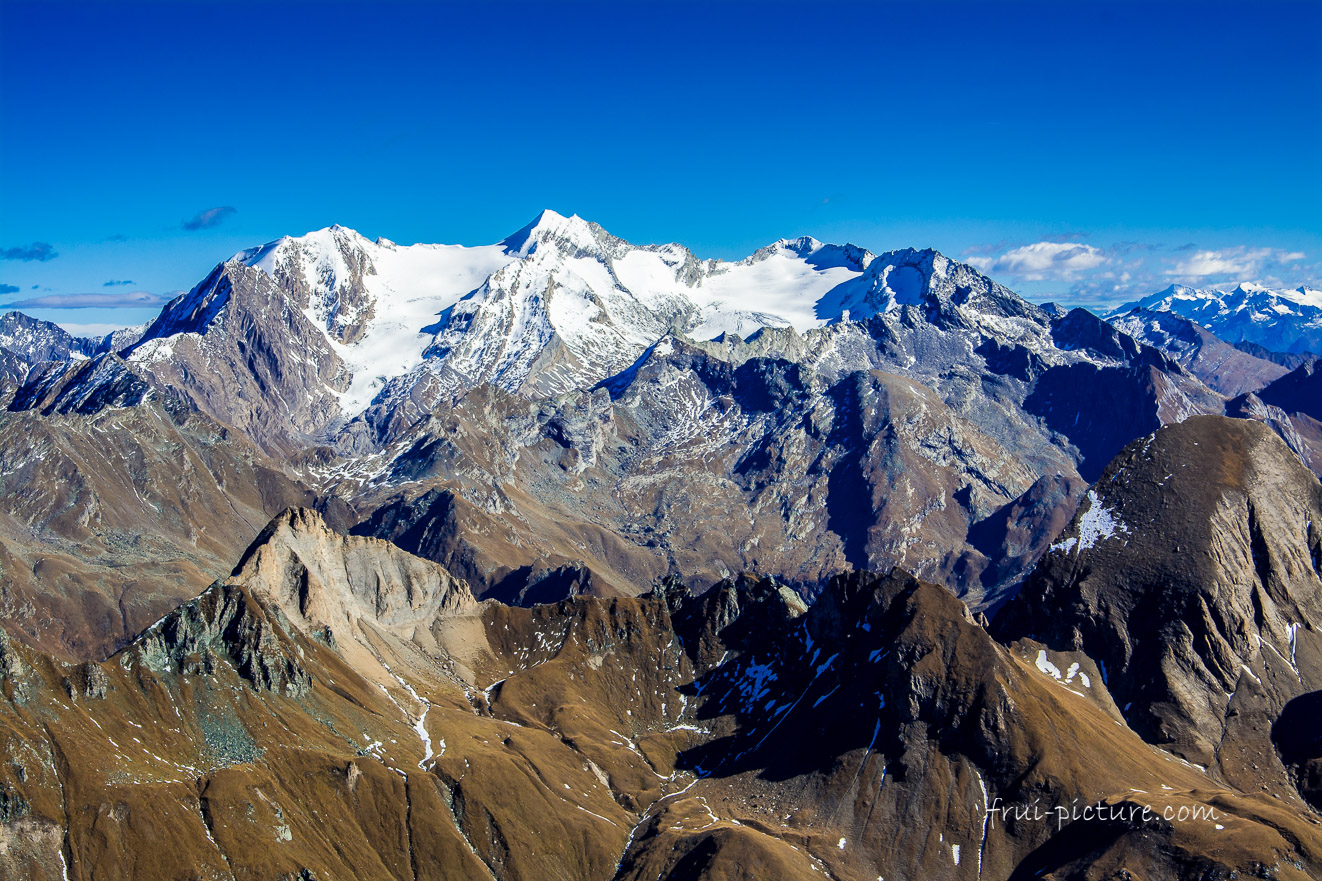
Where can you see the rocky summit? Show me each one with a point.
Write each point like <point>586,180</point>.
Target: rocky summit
<point>565,557</point>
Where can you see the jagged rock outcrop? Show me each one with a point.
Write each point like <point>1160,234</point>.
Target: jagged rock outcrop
<point>1191,575</point>
<point>922,730</point>
<point>226,620</point>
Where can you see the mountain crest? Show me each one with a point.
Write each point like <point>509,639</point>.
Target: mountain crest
<point>347,588</point>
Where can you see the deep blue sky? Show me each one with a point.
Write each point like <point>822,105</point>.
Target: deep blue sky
<point>1115,132</point>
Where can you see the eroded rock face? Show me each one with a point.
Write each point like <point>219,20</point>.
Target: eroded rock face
<point>755,464</point>
<point>346,589</point>
<point>1191,575</point>
<point>242,349</point>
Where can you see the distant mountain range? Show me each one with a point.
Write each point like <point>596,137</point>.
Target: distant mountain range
<point>1279,321</point>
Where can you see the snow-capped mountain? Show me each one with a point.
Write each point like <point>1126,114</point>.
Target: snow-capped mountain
<point>559,304</point>
<point>336,338</point>
<point>562,304</point>
<point>1223,367</point>
<point>1278,320</point>
<point>35,340</point>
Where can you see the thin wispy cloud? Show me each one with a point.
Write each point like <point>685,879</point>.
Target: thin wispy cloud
<point>211,217</point>
<point>115,284</point>
<point>126,299</point>
<point>39,251</point>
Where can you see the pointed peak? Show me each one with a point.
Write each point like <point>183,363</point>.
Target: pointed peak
<point>550,225</point>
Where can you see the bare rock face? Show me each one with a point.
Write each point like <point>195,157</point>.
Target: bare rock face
<point>245,353</point>
<point>744,463</point>
<point>1191,575</point>
<point>235,345</point>
<point>345,588</point>
<point>1300,432</point>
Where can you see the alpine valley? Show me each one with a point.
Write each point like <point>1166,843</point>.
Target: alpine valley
<point>569,558</point>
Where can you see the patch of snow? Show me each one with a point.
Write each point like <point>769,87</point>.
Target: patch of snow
<point>1046,666</point>
<point>1097,522</point>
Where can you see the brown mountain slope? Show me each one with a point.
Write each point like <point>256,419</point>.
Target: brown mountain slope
<point>1191,574</point>
<point>110,519</point>
<point>595,738</point>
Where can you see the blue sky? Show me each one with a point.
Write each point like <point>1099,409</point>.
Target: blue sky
<point>1086,151</point>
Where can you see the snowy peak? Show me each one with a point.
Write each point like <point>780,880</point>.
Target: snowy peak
<point>927,279</point>
<point>35,340</point>
<point>1278,320</point>
<point>194,311</point>
<point>572,232</point>
<point>820,255</point>
<point>325,271</point>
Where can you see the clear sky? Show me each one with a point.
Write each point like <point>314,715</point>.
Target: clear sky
<point>1086,151</point>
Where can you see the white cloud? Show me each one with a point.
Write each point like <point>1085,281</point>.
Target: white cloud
<point>1237,264</point>
<point>1040,261</point>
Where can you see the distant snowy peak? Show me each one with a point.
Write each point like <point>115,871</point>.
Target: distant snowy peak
<point>35,340</point>
<point>1279,320</point>
<point>819,254</point>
